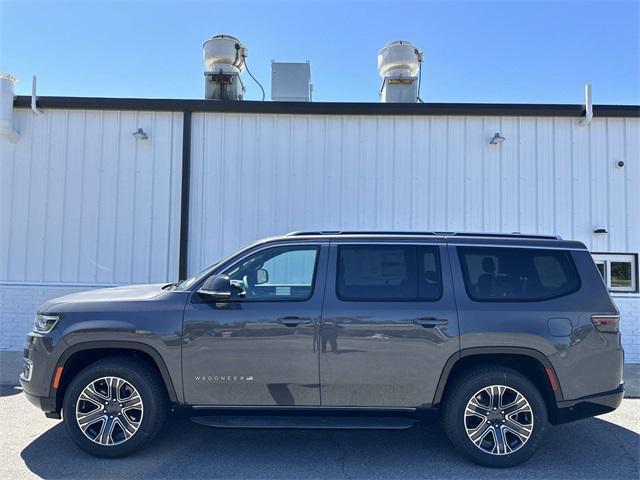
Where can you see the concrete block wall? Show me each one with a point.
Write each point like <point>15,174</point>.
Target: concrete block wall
<point>629,306</point>
<point>18,305</point>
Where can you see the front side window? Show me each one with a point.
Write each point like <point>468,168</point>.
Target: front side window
<point>517,274</point>
<point>388,273</point>
<point>619,271</point>
<point>279,273</point>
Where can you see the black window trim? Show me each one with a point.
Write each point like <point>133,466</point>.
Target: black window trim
<point>470,296</point>
<point>391,300</point>
<point>293,246</point>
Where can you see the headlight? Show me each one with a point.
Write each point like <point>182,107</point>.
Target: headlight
<point>44,323</point>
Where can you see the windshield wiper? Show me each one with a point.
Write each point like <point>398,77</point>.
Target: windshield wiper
<point>171,286</point>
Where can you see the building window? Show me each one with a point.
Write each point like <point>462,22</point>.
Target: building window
<point>619,271</point>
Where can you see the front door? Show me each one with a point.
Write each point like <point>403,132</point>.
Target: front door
<point>260,347</point>
<point>389,324</point>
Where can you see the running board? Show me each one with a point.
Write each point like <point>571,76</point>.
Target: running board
<point>306,421</point>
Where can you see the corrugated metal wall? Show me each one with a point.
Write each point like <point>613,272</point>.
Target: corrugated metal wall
<point>83,202</point>
<point>255,175</point>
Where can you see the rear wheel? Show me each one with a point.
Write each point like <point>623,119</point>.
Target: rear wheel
<point>114,407</point>
<point>495,416</point>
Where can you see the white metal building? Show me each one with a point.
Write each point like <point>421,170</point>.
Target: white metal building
<point>84,203</point>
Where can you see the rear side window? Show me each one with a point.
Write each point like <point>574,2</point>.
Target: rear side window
<point>388,273</point>
<point>517,274</point>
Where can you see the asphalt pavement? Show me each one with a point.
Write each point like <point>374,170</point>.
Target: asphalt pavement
<point>33,446</point>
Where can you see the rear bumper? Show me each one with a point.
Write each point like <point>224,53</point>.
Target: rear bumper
<point>589,406</point>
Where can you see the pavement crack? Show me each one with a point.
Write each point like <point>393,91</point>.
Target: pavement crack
<point>342,456</point>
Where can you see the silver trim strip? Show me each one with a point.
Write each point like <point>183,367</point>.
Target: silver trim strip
<point>517,246</point>
<point>444,244</point>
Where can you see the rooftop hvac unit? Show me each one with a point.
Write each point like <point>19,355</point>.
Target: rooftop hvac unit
<point>399,66</point>
<point>291,82</point>
<point>224,61</point>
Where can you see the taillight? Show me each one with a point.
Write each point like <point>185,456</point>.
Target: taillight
<point>606,323</point>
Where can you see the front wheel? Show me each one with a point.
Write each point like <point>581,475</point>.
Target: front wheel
<point>495,416</point>
<point>114,407</point>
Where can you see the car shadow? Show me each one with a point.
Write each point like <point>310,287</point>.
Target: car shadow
<point>8,390</point>
<point>592,448</point>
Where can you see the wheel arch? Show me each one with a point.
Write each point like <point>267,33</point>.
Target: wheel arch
<point>71,362</point>
<point>531,363</point>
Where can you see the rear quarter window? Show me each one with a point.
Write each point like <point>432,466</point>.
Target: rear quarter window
<point>494,274</point>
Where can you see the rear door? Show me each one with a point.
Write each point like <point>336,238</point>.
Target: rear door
<point>389,324</point>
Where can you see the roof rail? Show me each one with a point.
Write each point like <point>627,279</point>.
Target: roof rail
<point>422,234</point>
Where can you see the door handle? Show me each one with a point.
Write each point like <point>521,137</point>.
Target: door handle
<point>294,321</point>
<point>430,322</point>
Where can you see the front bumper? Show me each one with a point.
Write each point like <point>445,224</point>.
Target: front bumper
<point>47,404</point>
<point>41,354</point>
<point>589,406</point>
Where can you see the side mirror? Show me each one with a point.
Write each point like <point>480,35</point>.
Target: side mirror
<point>262,276</point>
<point>216,287</point>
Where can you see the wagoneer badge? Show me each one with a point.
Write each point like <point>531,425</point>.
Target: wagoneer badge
<point>224,378</point>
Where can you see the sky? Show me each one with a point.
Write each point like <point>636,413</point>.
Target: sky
<point>478,51</point>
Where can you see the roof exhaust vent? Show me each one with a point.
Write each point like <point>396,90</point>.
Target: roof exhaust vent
<point>224,60</point>
<point>7,128</point>
<point>399,65</point>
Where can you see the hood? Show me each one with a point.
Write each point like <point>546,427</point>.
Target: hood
<point>112,294</point>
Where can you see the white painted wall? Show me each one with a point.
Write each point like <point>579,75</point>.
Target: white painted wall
<point>83,201</point>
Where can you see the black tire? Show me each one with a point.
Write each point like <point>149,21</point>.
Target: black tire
<point>470,383</point>
<point>137,373</point>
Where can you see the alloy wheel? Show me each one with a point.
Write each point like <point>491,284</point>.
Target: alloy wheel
<point>109,411</point>
<point>498,420</point>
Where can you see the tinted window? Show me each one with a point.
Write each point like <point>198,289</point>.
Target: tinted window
<point>388,273</point>
<point>279,273</point>
<point>517,274</point>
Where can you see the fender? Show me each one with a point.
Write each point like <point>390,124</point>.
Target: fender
<point>468,352</point>
<point>124,345</point>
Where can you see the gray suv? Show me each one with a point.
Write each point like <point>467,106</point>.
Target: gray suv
<point>498,335</point>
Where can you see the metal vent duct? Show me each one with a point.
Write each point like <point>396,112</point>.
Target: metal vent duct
<point>224,58</point>
<point>399,65</point>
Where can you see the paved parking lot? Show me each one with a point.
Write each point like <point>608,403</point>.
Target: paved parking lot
<point>33,446</point>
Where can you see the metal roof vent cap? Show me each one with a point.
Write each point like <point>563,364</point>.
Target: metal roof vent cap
<point>399,65</point>
<point>224,61</point>
<point>7,95</point>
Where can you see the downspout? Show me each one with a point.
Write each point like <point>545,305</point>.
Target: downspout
<point>34,97</point>
<point>7,130</point>
<point>588,106</point>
